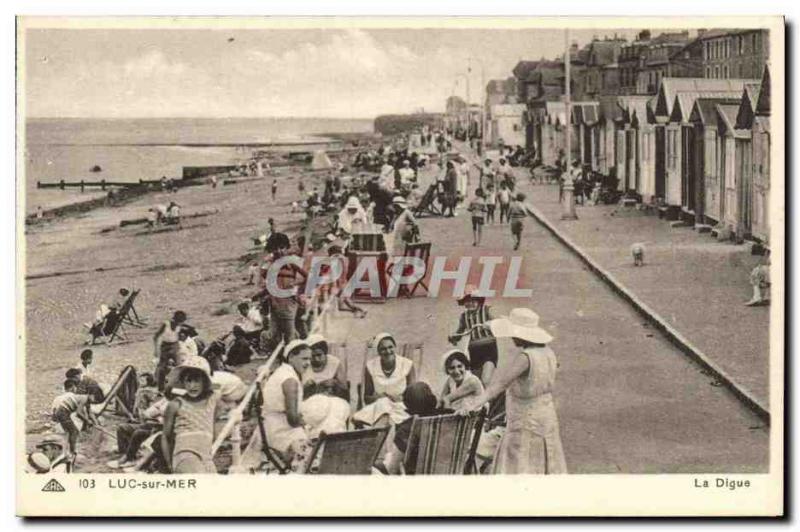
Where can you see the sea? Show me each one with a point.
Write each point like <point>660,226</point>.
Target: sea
<point>148,148</point>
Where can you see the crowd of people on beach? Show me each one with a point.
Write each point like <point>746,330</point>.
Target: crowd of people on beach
<point>194,388</point>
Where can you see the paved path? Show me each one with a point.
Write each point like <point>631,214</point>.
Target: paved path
<point>628,400</point>
<point>697,284</point>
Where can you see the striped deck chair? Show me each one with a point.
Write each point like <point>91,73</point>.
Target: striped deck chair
<point>440,445</point>
<point>347,453</point>
<point>413,351</point>
<point>122,393</point>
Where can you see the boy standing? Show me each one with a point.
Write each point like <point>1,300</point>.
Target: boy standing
<point>516,213</point>
<point>478,209</point>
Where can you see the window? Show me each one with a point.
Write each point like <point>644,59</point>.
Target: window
<point>708,72</point>
<point>725,72</point>
<point>740,41</point>
<point>716,72</point>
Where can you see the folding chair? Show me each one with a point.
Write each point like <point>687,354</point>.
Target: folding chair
<point>440,445</point>
<point>347,453</point>
<point>109,329</point>
<point>123,393</point>
<point>272,455</point>
<point>422,251</point>
<point>128,311</point>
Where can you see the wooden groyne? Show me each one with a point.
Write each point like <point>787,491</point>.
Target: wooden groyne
<point>63,184</point>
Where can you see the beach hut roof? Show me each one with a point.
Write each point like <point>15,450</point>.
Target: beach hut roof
<point>670,87</point>
<point>704,110</point>
<point>747,107</point>
<point>727,120</point>
<point>587,113</point>
<point>684,102</point>
<point>763,103</point>
<point>633,105</point>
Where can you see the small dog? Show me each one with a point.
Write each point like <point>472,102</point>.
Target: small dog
<point>637,250</point>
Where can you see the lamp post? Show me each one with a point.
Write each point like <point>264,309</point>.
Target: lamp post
<point>568,212</point>
<point>458,76</point>
<point>481,143</point>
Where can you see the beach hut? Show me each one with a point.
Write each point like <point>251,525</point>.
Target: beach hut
<point>761,161</point>
<point>321,161</point>
<point>707,169</point>
<point>674,140</point>
<point>729,205</point>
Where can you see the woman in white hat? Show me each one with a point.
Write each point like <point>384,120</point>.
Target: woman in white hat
<point>404,225</point>
<point>189,418</point>
<point>352,216</point>
<point>283,393</point>
<point>326,397</point>
<point>531,443</point>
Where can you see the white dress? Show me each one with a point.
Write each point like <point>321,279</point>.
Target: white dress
<point>322,412</point>
<point>280,434</point>
<point>531,443</point>
<point>394,384</point>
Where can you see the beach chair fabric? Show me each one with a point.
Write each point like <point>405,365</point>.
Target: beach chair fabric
<point>440,445</point>
<point>128,312</point>
<point>422,251</point>
<point>122,393</point>
<point>347,453</point>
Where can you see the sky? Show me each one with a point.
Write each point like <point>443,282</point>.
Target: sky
<point>341,73</point>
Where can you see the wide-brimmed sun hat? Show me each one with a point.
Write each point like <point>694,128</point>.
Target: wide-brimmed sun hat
<point>39,462</point>
<point>196,364</point>
<point>522,323</point>
<point>400,200</point>
<point>471,292</point>
<point>50,439</point>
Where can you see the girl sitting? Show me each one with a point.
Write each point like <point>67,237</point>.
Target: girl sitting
<point>189,418</point>
<point>283,392</point>
<point>461,383</point>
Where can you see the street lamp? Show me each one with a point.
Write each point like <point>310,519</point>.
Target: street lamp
<point>569,186</point>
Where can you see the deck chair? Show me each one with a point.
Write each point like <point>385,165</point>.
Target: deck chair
<point>440,445</point>
<point>413,351</point>
<point>427,205</point>
<point>128,311</point>
<point>122,393</point>
<point>422,251</point>
<point>347,453</point>
<point>110,328</point>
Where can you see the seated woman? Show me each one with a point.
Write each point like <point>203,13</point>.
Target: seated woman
<point>461,383</point>
<point>282,392</point>
<point>385,379</point>
<point>326,407</point>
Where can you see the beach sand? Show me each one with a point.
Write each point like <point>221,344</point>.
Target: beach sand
<point>197,269</point>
